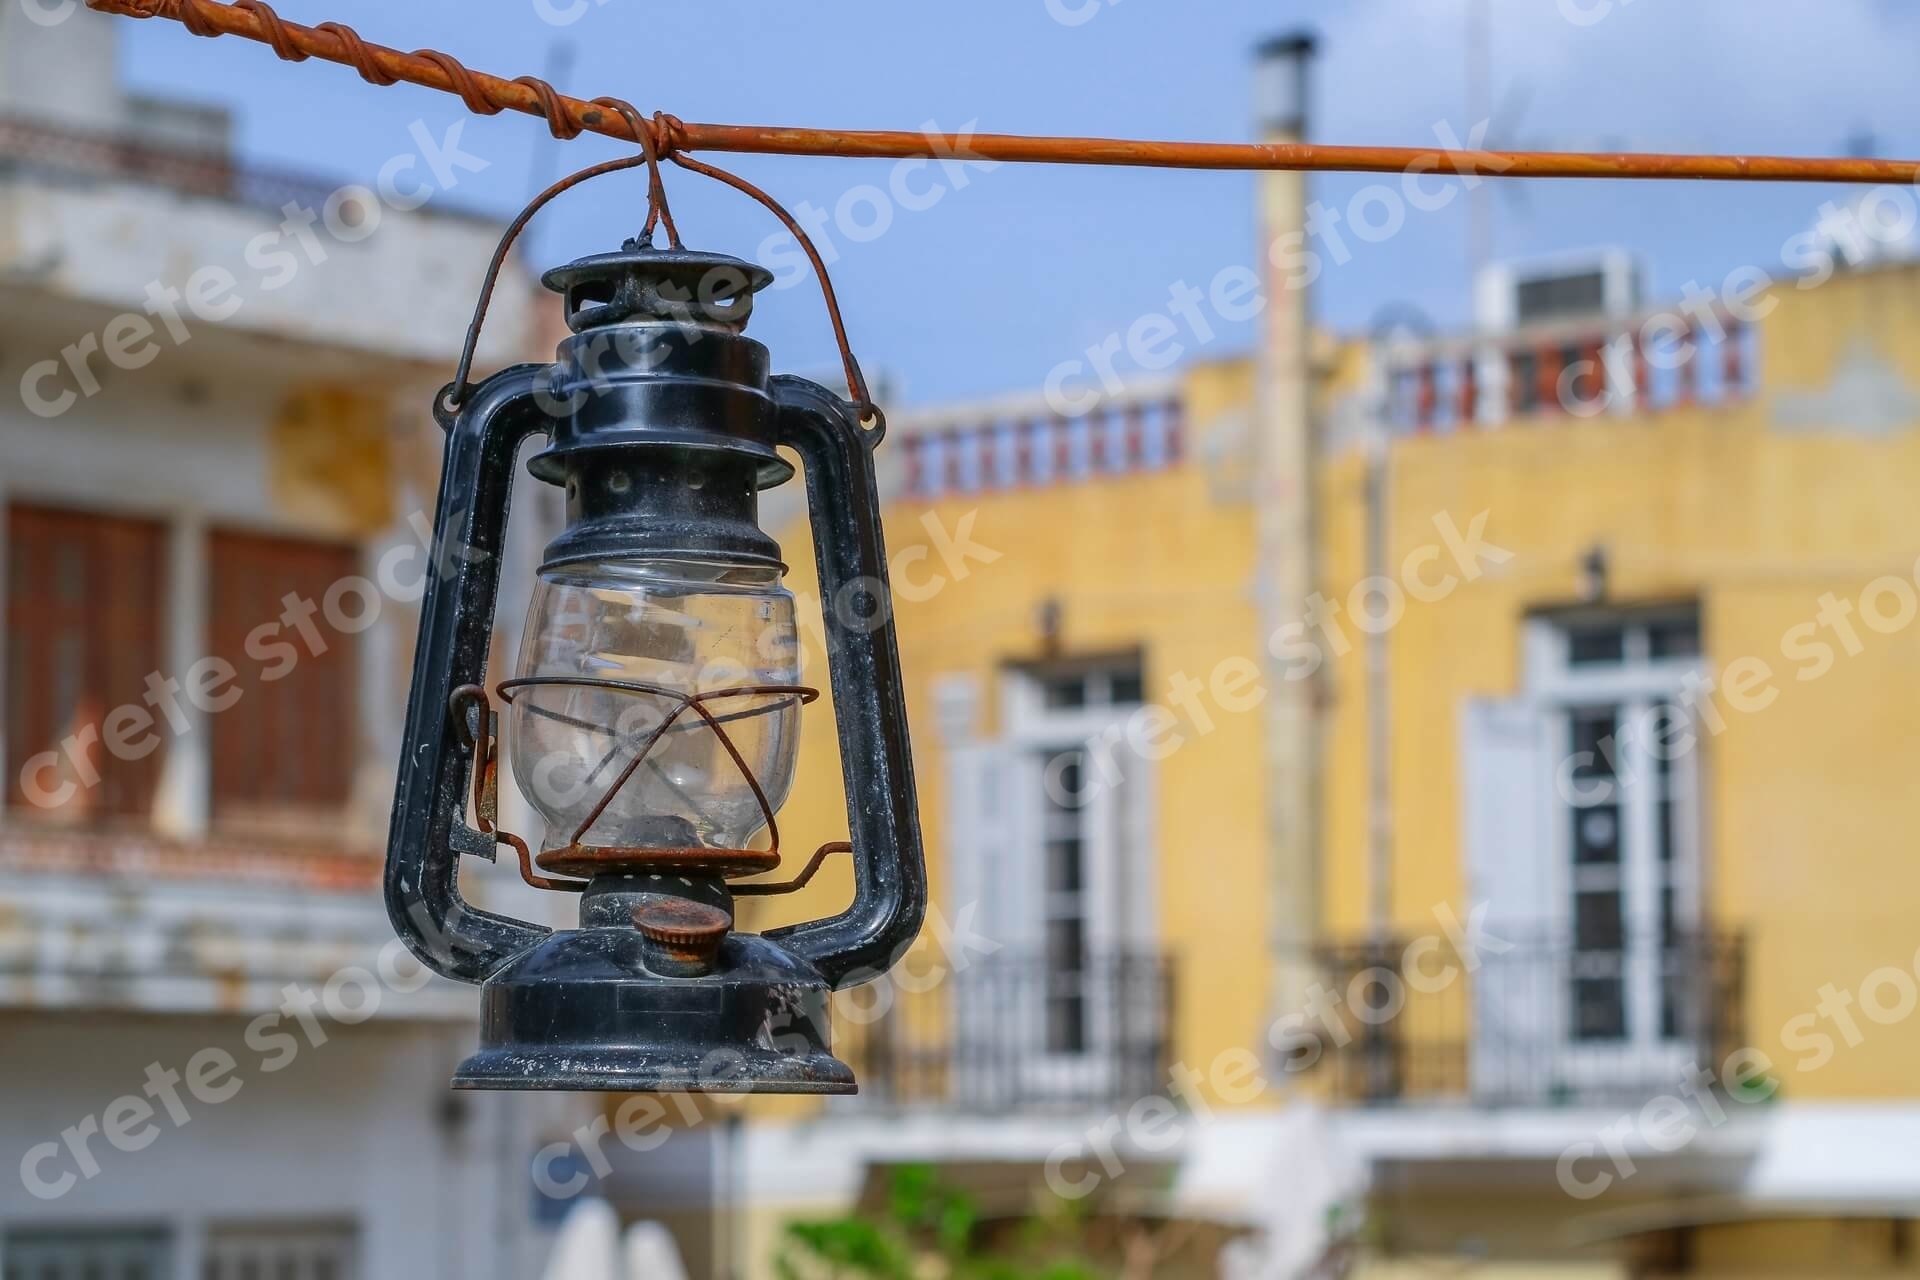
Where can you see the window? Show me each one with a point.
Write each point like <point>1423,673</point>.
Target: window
<point>85,621</point>
<point>1677,637</point>
<point>1526,382</point>
<point>1589,646</point>
<point>280,1251</point>
<point>87,1253</point>
<point>284,751</point>
<point>1599,1012</point>
<point>1069,697</point>
<point>1626,820</point>
<point>1101,685</point>
<point>1065,906</point>
<point>1549,297</point>
<point>1050,830</point>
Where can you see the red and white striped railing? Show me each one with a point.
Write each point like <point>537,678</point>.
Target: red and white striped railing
<point>1650,364</point>
<point>1031,448</point>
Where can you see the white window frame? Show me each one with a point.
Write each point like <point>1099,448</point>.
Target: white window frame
<point>1117,889</point>
<point>1029,726</point>
<point>1634,687</point>
<point>69,1251</point>
<point>996,813</point>
<point>230,1250</point>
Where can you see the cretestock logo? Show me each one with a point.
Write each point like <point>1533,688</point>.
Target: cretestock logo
<point>1156,1124</point>
<point>564,13</point>
<point>214,295</point>
<point>1887,996</point>
<point>1581,13</point>
<point>1077,13</point>
<point>132,1122</point>
<point>54,777</point>
<point>49,13</point>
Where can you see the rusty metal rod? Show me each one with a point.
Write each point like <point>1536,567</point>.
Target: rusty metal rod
<point>568,117</point>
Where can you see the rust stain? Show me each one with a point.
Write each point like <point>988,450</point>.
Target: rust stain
<point>230,991</point>
<point>332,459</point>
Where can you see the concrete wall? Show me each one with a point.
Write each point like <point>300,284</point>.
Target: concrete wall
<point>382,261</point>
<point>366,276</point>
<point>64,68</point>
<point>359,1129</point>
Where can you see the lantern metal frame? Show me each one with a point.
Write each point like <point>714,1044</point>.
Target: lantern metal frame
<point>655,990</point>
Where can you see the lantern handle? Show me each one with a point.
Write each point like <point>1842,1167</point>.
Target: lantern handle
<point>867,413</point>
<point>869,694</point>
<point>455,397</point>
<point>429,835</point>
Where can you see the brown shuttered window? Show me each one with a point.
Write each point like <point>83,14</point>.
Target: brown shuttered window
<point>85,620</point>
<point>283,753</point>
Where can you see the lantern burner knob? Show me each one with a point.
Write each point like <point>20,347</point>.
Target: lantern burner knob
<point>688,934</point>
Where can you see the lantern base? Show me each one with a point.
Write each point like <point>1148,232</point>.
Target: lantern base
<point>588,1010</point>
<point>598,1069</point>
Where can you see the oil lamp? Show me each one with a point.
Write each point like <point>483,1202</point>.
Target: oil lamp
<point>652,718</point>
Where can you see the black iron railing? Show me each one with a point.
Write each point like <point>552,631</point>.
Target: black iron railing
<point>1008,1033</point>
<point>1538,1024</point>
<point>42,145</point>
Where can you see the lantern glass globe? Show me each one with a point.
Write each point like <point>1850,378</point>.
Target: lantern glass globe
<point>605,744</point>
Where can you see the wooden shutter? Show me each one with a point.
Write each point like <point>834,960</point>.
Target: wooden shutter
<point>284,752</point>
<point>85,616</point>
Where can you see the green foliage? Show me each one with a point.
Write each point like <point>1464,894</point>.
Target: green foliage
<point>1764,1087</point>
<point>930,1232</point>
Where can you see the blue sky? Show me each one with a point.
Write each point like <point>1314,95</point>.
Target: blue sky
<point>995,284</point>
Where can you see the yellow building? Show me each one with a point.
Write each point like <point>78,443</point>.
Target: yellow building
<point>1656,744</point>
<point>1608,658</point>
<point>1407,805</point>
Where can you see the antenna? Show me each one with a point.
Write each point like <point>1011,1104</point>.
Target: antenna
<point>1479,107</point>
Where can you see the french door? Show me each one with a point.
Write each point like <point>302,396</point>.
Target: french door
<point>1051,837</point>
<point>1584,833</point>
<point>1628,826</point>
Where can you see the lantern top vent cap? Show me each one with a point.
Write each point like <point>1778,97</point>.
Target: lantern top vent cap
<point>640,283</point>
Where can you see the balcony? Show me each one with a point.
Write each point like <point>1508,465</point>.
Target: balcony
<point>37,145</point>
<point>1007,1034</point>
<point>122,920</point>
<point>1022,445</point>
<point>95,217</point>
<point>1539,1025</point>
<point>1646,364</point>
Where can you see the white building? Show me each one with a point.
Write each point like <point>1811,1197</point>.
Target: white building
<point>216,390</point>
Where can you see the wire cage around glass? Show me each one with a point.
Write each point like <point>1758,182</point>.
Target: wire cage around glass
<point>655,714</point>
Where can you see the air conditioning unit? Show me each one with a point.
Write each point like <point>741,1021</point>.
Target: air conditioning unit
<point>1595,284</point>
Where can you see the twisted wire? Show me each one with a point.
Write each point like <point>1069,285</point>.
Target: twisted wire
<point>657,211</point>
<point>667,137</point>
<point>358,55</point>
<point>381,65</point>
<point>483,94</point>
<point>464,83</point>
<point>278,36</point>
